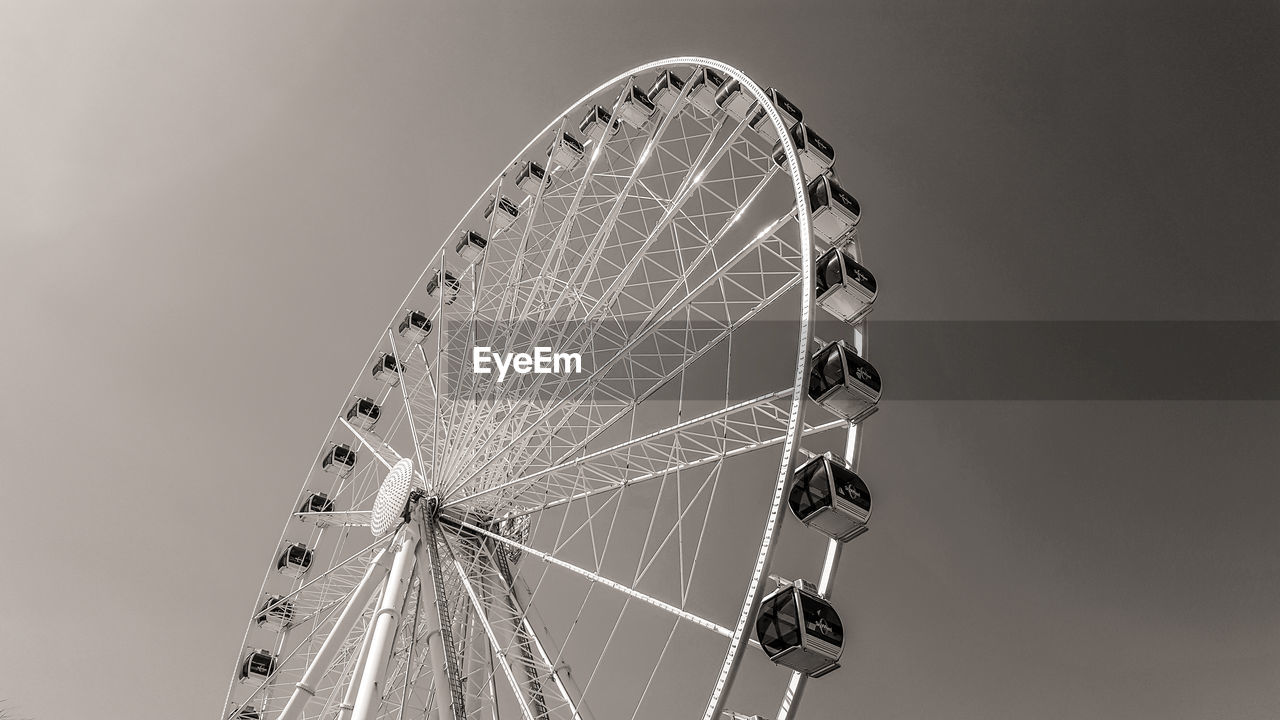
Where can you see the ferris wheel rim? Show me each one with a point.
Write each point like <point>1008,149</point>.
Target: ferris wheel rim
<point>806,319</point>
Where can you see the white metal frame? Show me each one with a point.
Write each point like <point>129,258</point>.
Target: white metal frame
<point>460,448</point>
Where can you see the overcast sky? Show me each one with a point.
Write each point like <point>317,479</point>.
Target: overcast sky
<point>201,204</point>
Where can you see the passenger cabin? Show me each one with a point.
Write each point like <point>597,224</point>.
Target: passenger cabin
<point>450,287</point>
<point>830,498</point>
<point>415,327</point>
<point>471,244</point>
<point>506,214</point>
<point>664,91</point>
<point>635,108</point>
<point>835,212</point>
<point>816,155</point>
<point>800,630</point>
<point>364,413</point>
<point>339,460</point>
<point>386,369</point>
<point>735,100</point>
<point>789,112</point>
<point>703,86</point>
<point>258,664</point>
<point>565,152</point>
<point>295,561</point>
<point>275,613</point>
<point>597,123</point>
<point>844,288</point>
<point>532,176</point>
<point>844,383</point>
<point>248,712</point>
<point>316,502</point>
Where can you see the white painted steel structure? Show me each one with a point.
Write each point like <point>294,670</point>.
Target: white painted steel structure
<point>539,545</point>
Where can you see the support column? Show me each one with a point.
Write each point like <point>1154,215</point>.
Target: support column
<point>357,672</point>
<point>306,688</point>
<point>386,623</point>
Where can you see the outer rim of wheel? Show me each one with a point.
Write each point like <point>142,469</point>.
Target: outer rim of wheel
<point>737,645</point>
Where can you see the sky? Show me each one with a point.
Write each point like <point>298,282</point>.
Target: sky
<point>208,210</point>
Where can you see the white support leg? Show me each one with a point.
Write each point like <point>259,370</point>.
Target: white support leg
<point>385,624</point>
<point>357,672</point>
<point>306,687</point>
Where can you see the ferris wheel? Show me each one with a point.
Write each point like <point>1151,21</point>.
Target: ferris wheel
<point>557,488</point>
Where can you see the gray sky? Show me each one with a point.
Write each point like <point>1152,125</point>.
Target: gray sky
<point>202,203</point>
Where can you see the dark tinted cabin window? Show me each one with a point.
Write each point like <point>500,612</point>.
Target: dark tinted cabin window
<point>827,373</point>
<point>714,77</point>
<point>850,487</point>
<point>818,193</point>
<point>862,371</point>
<point>596,113</point>
<point>830,272</point>
<point>261,664</point>
<point>861,275</point>
<point>785,105</point>
<point>640,98</point>
<point>820,619</point>
<point>674,80</point>
<point>845,199</point>
<point>819,144</point>
<point>778,625</point>
<point>811,490</point>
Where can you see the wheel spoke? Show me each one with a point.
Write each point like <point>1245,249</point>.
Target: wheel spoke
<point>601,580</point>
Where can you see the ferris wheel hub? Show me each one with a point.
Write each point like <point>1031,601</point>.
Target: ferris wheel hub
<point>393,500</point>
